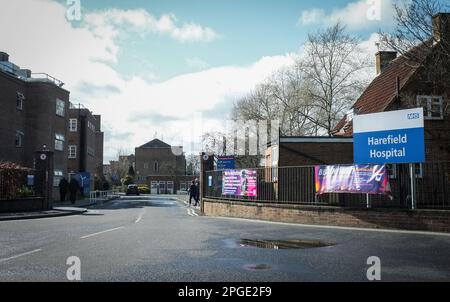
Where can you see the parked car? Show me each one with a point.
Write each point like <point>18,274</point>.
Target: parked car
<point>132,190</point>
<point>144,189</point>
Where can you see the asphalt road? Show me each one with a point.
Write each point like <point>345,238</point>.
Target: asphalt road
<point>154,239</point>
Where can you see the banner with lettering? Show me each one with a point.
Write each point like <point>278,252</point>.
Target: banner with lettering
<point>366,179</point>
<point>239,183</point>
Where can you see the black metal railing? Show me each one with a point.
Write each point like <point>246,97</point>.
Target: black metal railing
<point>19,184</point>
<point>296,185</point>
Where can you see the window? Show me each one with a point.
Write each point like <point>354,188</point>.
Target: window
<point>72,151</point>
<point>91,126</point>
<point>155,166</point>
<point>19,101</point>
<point>145,165</point>
<point>182,186</point>
<point>19,139</point>
<point>432,107</point>
<point>59,142</point>
<point>60,107</point>
<point>73,125</point>
<point>57,176</point>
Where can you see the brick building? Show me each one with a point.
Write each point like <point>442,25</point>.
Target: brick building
<point>162,167</point>
<point>34,113</point>
<point>310,150</point>
<point>403,83</point>
<point>85,143</point>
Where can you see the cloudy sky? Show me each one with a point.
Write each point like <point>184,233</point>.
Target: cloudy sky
<point>150,66</point>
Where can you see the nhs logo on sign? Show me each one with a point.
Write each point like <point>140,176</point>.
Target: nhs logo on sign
<point>389,137</point>
<point>414,116</point>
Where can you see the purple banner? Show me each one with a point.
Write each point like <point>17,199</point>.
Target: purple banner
<point>239,183</point>
<point>367,179</point>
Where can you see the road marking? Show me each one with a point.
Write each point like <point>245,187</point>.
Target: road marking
<point>20,255</point>
<point>102,232</point>
<point>140,217</point>
<point>191,212</point>
<point>337,227</point>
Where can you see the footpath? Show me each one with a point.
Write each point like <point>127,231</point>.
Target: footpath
<point>60,209</point>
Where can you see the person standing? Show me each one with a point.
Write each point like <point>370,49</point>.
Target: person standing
<point>192,192</point>
<point>74,186</point>
<point>63,188</point>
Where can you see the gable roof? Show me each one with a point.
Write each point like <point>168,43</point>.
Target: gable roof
<point>382,91</point>
<point>155,143</point>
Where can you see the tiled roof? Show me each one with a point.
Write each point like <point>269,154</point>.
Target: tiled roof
<point>381,93</point>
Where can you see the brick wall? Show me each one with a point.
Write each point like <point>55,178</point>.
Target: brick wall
<point>427,220</point>
<point>313,153</point>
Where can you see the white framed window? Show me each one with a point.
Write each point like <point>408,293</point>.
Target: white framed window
<point>73,125</point>
<point>19,139</point>
<point>57,176</point>
<point>72,151</point>
<point>432,107</point>
<point>182,186</point>
<point>145,165</point>
<point>392,170</point>
<point>60,107</point>
<point>19,100</point>
<point>59,142</point>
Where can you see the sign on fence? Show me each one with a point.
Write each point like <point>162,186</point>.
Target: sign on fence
<point>367,179</point>
<point>389,137</point>
<point>239,183</point>
<point>226,163</point>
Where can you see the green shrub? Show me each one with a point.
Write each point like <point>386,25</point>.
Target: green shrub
<point>24,191</point>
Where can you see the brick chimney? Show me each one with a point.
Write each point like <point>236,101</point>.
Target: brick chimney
<point>383,58</point>
<point>441,27</point>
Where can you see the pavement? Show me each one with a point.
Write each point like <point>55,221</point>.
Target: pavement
<point>59,209</point>
<point>56,212</point>
<point>151,238</point>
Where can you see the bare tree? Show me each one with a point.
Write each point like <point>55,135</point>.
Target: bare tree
<point>193,164</point>
<point>311,96</point>
<point>332,68</point>
<point>414,27</point>
<point>415,39</point>
<point>288,89</point>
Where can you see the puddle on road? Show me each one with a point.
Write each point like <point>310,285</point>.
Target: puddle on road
<point>257,266</point>
<point>282,244</point>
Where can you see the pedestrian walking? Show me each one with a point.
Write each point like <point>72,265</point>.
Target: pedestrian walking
<point>197,195</point>
<point>74,186</point>
<point>192,192</point>
<point>63,188</point>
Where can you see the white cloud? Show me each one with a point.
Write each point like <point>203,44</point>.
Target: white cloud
<point>357,15</point>
<point>43,40</point>
<point>111,21</point>
<point>312,16</point>
<point>196,63</point>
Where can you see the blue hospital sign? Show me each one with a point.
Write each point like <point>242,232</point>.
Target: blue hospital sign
<point>389,137</point>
